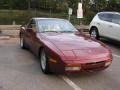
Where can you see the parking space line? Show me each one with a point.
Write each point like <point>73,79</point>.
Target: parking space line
<point>116,55</point>
<point>71,83</point>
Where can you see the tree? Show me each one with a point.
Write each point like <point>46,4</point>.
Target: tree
<point>28,4</point>
<point>99,5</point>
<point>113,5</point>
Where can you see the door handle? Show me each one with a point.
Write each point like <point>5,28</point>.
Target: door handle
<point>98,23</point>
<point>110,26</point>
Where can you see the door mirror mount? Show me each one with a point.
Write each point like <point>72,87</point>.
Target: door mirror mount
<point>29,29</point>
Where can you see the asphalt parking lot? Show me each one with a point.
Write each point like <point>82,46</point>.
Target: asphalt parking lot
<point>20,70</point>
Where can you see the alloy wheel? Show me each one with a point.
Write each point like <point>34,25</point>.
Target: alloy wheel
<point>43,60</point>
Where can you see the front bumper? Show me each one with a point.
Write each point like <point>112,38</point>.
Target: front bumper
<point>84,67</point>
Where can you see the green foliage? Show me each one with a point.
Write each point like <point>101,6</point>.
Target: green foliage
<point>113,5</point>
<point>100,5</point>
<point>52,8</point>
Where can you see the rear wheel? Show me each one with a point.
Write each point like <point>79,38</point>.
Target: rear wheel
<point>44,62</point>
<point>22,43</point>
<point>94,33</point>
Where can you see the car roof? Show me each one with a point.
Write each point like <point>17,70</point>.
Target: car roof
<point>37,18</point>
<point>109,12</point>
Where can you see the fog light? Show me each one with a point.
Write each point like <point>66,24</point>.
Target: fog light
<point>72,68</point>
<point>108,63</point>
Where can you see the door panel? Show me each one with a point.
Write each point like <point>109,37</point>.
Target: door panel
<point>31,37</point>
<point>104,28</point>
<point>105,21</point>
<point>27,37</point>
<point>35,43</point>
<point>115,31</point>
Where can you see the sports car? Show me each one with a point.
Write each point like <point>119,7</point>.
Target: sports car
<point>61,48</point>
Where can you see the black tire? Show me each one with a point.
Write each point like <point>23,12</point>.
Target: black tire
<point>44,61</point>
<point>95,31</point>
<point>22,43</point>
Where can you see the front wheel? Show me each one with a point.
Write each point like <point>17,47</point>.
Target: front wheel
<point>22,43</point>
<point>94,33</point>
<point>44,62</point>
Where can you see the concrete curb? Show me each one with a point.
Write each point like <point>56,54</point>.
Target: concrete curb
<point>12,31</point>
<point>4,37</point>
<point>10,27</point>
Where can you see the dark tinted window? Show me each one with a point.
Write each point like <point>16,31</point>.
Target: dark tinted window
<point>116,19</point>
<point>31,23</point>
<point>106,17</point>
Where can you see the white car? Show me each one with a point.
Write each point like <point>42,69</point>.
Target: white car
<point>106,24</point>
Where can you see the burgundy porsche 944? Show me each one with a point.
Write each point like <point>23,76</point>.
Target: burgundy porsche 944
<point>61,48</point>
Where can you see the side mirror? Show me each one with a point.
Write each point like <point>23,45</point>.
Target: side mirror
<point>23,27</point>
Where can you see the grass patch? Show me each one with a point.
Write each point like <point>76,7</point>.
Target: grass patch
<point>21,16</point>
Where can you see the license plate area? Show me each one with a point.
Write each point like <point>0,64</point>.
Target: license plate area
<point>94,65</point>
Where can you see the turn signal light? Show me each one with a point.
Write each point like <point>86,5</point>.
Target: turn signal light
<point>108,63</point>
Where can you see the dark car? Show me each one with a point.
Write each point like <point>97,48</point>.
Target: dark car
<point>61,48</point>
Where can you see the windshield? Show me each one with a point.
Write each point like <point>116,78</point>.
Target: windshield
<point>55,25</point>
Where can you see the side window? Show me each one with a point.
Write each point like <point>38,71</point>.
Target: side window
<point>29,24</point>
<point>116,19</point>
<point>106,17</point>
<point>32,25</point>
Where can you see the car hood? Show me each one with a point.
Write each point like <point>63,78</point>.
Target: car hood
<point>77,47</point>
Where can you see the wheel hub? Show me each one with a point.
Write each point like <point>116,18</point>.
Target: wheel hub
<point>43,60</point>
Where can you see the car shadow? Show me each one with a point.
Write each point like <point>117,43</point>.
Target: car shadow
<point>87,75</point>
<point>111,42</point>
